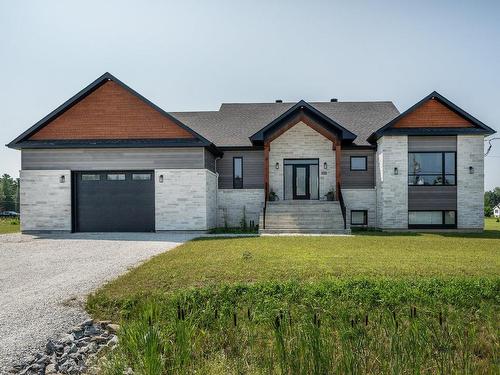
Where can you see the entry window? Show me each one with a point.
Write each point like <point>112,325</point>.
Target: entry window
<point>432,218</point>
<point>238,173</point>
<point>359,217</point>
<point>431,168</point>
<point>116,177</point>
<point>358,163</point>
<point>91,177</point>
<point>141,176</point>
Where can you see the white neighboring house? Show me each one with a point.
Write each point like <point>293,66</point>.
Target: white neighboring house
<point>496,210</point>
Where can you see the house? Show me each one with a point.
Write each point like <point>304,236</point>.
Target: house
<point>110,160</point>
<point>496,210</point>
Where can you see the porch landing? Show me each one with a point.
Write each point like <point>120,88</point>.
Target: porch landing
<point>302,216</point>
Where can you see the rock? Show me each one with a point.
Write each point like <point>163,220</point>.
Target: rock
<point>113,328</point>
<point>43,360</point>
<point>113,341</point>
<point>50,369</point>
<point>104,323</point>
<point>99,339</point>
<point>88,322</point>
<point>67,339</point>
<point>91,331</point>
<point>50,347</point>
<point>78,334</point>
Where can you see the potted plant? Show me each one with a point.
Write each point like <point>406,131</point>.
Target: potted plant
<point>330,196</point>
<point>273,196</point>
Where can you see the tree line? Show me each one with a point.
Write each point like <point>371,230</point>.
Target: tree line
<point>491,199</point>
<point>9,193</point>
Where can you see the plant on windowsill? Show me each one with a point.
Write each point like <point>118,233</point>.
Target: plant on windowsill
<point>272,196</point>
<point>330,196</point>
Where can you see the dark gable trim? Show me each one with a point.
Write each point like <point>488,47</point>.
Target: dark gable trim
<point>20,140</point>
<point>276,124</point>
<point>480,128</point>
<point>117,143</point>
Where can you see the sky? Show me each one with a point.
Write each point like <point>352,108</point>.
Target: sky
<point>194,55</point>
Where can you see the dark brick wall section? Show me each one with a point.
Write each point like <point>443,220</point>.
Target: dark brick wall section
<point>111,112</point>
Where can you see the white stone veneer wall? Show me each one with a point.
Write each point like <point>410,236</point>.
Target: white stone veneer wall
<point>392,189</point>
<point>301,142</point>
<point>45,201</point>
<point>361,199</point>
<point>231,203</point>
<point>470,187</point>
<point>184,201</point>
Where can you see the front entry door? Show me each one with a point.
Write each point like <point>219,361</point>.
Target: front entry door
<point>301,182</point>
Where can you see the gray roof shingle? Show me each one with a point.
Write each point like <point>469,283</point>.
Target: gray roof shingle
<point>234,123</point>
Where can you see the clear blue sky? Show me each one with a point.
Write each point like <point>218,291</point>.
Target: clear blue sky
<point>193,55</point>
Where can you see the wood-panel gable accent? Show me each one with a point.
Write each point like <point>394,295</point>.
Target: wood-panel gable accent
<point>111,112</point>
<point>433,114</point>
<point>298,118</point>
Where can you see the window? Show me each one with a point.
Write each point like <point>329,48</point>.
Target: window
<point>359,217</point>
<point>431,168</point>
<point>238,173</point>
<point>116,177</point>
<point>141,176</point>
<point>91,177</point>
<point>358,163</point>
<point>429,219</point>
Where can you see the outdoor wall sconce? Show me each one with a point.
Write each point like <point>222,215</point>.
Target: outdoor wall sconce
<point>277,165</point>
<point>161,178</point>
<point>325,165</point>
<point>62,179</point>
<point>396,172</point>
<point>471,170</point>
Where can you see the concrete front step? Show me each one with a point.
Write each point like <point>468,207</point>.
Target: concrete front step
<point>304,231</point>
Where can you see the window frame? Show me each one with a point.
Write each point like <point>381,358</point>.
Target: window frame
<point>433,226</point>
<point>443,168</point>
<point>365,217</point>
<point>234,176</point>
<point>358,157</point>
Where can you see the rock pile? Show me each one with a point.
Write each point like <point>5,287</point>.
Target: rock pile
<point>71,353</point>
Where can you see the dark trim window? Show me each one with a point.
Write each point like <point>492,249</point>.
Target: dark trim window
<point>432,219</point>
<point>115,177</point>
<point>358,163</point>
<point>91,177</point>
<point>432,168</point>
<point>238,172</point>
<point>359,217</point>
<point>141,176</point>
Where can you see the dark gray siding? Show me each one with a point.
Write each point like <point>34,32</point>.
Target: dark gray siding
<point>358,179</point>
<point>105,159</point>
<point>253,169</point>
<point>421,198</point>
<point>209,161</point>
<point>432,197</point>
<point>432,143</point>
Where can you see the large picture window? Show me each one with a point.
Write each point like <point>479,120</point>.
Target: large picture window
<point>431,168</point>
<point>238,173</point>
<point>430,219</point>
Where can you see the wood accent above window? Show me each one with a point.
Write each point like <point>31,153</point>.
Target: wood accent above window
<point>111,112</point>
<point>433,114</point>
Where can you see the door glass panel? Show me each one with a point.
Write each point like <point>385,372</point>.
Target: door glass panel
<point>288,181</point>
<point>313,181</point>
<point>300,180</point>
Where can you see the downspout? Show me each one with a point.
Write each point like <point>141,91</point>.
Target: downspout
<point>217,191</point>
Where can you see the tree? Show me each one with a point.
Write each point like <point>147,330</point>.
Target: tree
<point>8,193</point>
<point>491,199</point>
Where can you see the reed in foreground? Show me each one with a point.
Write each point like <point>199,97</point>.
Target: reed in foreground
<point>343,327</point>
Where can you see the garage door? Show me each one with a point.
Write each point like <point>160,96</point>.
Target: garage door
<point>114,201</point>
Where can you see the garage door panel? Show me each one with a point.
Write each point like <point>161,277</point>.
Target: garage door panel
<point>114,201</point>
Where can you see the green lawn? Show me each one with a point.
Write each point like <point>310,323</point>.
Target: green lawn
<point>206,262</point>
<point>8,225</point>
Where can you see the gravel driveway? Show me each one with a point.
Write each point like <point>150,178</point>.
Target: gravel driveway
<point>44,280</point>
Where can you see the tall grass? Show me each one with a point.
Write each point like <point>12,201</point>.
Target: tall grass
<point>335,327</point>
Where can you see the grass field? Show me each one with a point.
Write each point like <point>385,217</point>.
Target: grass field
<point>206,262</point>
<point>371,303</point>
<point>8,225</point>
